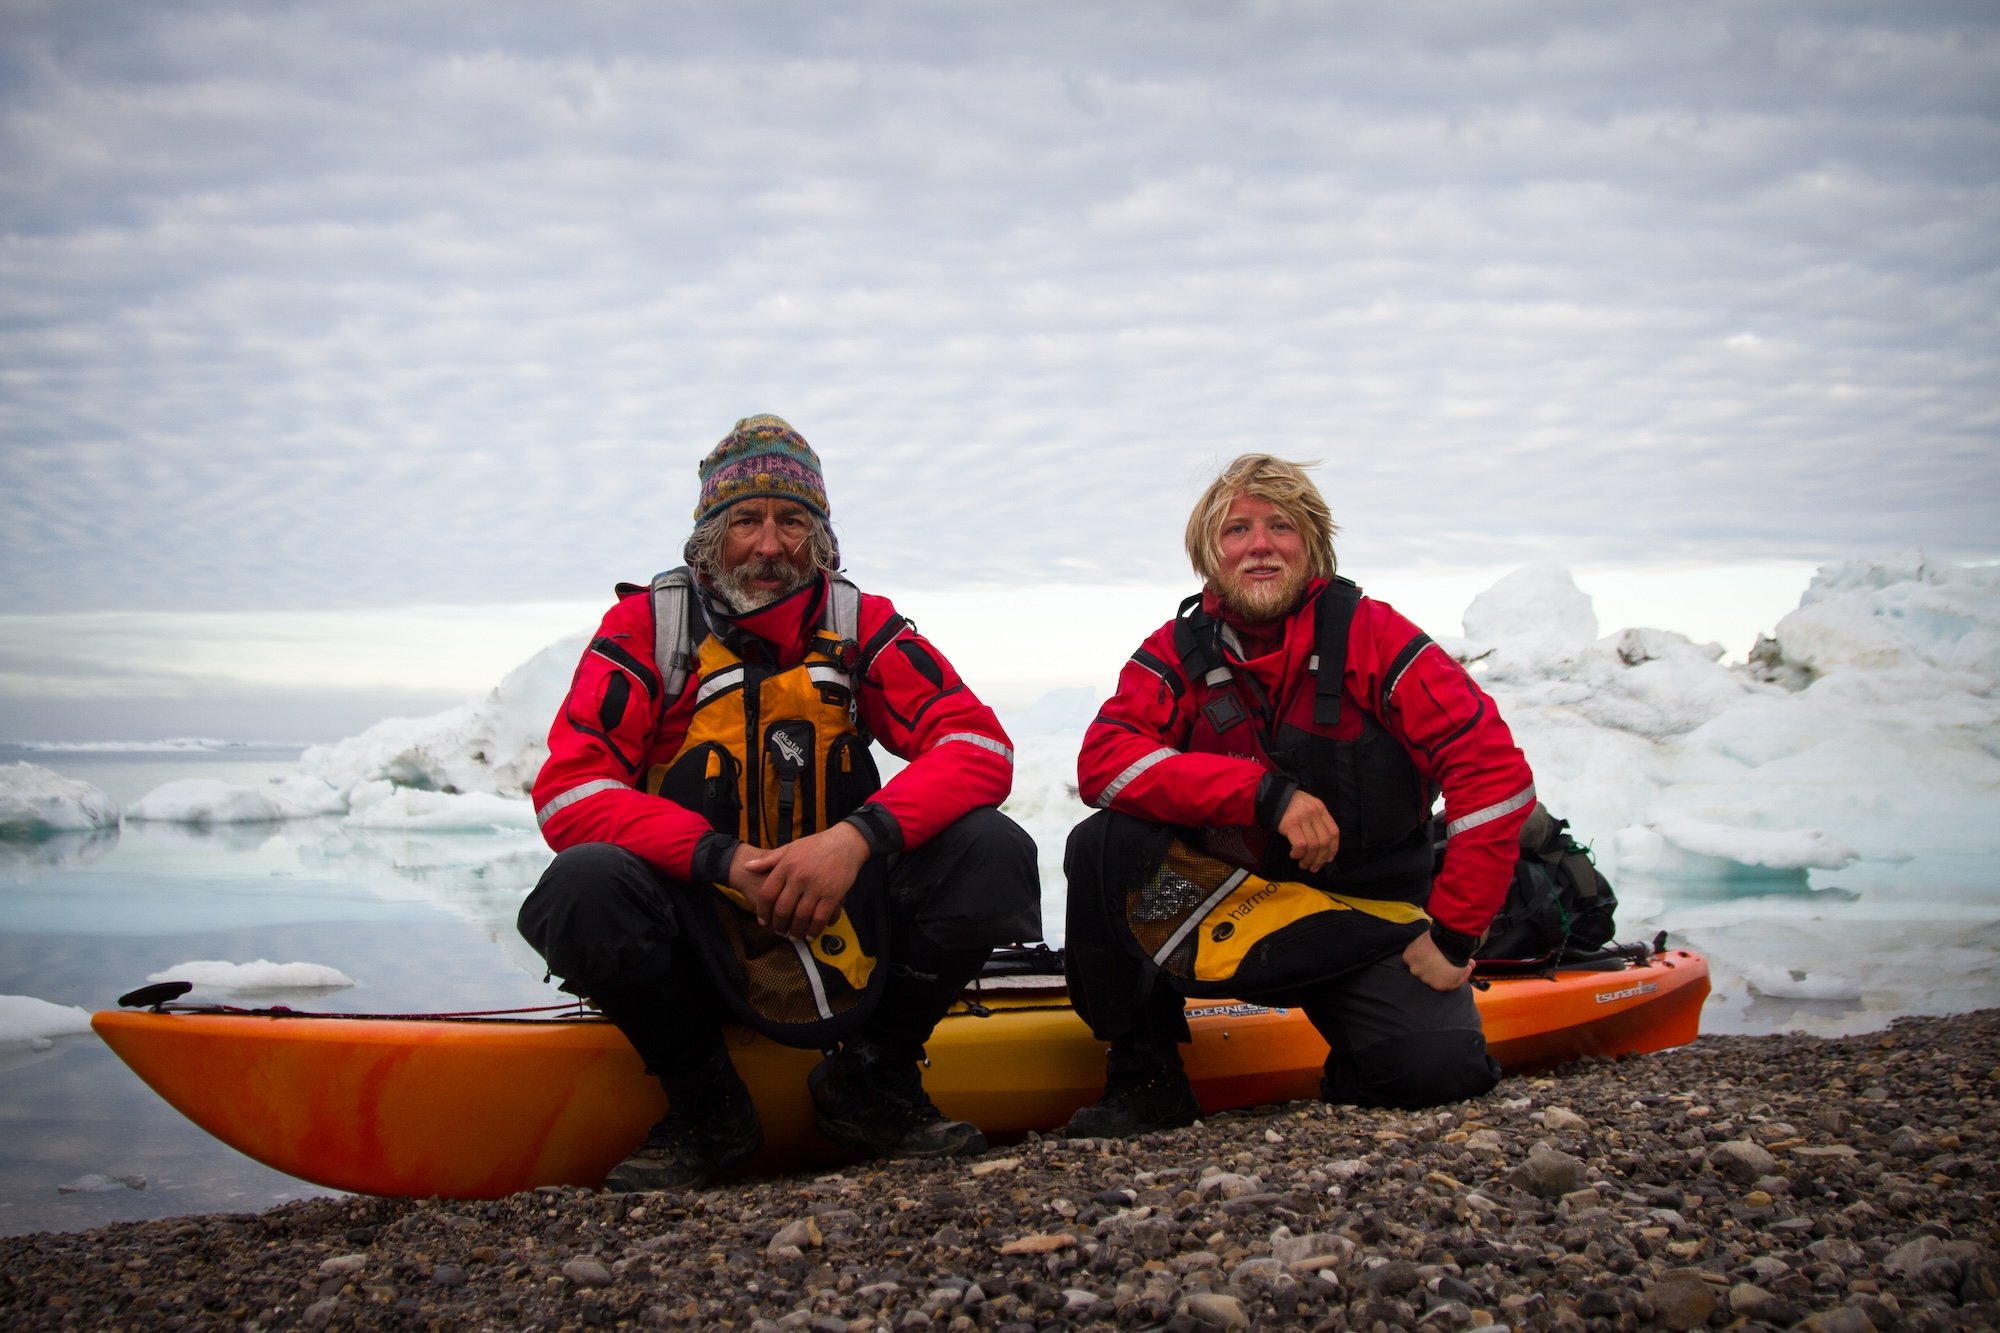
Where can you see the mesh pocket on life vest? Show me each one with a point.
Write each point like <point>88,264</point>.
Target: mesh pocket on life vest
<point>1162,905</point>
<point>796,992</point>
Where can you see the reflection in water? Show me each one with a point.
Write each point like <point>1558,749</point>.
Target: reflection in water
<point>22,1055</point>
<point>80,846</point>
<point>220,838</point>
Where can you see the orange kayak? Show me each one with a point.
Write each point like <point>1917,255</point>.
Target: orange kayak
<point>486,1107</point>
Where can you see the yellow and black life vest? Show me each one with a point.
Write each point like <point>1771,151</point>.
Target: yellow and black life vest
<point>772,755</point>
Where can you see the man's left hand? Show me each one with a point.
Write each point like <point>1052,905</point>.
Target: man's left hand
<point>806,881</point>
<point>1431,967</point>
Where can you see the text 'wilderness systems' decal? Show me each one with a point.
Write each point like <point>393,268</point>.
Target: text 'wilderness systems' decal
<point>1629,993</point>
<point>1237,1010</point>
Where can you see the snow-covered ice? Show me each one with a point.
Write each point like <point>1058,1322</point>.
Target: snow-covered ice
<point>492,745</point>
<point>262,975</point>
<point>38,803</point>
<point>25,1020</point>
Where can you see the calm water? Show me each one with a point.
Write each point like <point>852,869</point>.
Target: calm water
<point>419,922</point>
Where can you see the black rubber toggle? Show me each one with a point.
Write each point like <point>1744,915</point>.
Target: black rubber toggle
<point>156,994</point>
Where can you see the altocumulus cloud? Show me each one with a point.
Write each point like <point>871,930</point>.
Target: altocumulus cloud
<point>394,304</point>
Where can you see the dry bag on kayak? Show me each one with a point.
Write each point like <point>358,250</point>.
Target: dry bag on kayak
<point>1216,929</point>
<point>1558,905</point>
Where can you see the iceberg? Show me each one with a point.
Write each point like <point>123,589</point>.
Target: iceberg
<point>36,804</point>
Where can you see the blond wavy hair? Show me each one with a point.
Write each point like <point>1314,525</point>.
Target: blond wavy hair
<point>1275,481</point>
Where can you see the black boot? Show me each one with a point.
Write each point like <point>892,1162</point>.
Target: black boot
<point>1145,1089</point>
<point>871,1099</point>
<point>711,1124</point>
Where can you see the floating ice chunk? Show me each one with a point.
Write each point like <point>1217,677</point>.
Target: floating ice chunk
<point>36,1023</point>
<point>380,805</point>
<point>1801,849</point>
<point>205,801</point>
<point>496,744</point>
<point>208,803</point>
<point>36,803</point>
<point>1886,615</point>
<point>1795,983</point>
<point>1635,646</point>
<point>1536,601</point>
<point>302,795</point>
<point>260,975</point>
<point>98,1183</point>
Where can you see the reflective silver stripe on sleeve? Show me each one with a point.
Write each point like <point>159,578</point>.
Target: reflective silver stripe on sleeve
<point>1389,685</point>
<point>1523,798</point>
<point>716,683</point>
<point>983,742</point>
<point>575,794</point>
<point>1139,766</point>
<point>1196,917</point>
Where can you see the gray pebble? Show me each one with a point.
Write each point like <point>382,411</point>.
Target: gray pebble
<point>1548,1173</point>
<point>587,1273</point>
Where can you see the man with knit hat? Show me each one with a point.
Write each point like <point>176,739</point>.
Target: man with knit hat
<point>725,850</point>
<point>1265,774</point>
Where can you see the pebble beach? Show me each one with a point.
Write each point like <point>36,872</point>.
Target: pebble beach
<point>1771,1182</point>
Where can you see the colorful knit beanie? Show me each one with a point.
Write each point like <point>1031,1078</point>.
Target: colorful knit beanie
<point>762,456</point>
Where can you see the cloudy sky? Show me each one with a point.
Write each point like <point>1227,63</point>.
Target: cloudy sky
<point>410,320</point>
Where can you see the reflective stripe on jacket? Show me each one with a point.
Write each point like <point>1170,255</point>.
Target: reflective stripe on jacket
<point>615,726</point>
<point>1140,755</point>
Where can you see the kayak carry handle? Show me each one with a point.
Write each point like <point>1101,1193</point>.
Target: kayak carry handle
<point>152,997</point>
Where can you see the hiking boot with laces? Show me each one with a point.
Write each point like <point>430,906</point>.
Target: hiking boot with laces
<point>710,1125</point>
<point>1142,1093</point>
<point>871,1100</point>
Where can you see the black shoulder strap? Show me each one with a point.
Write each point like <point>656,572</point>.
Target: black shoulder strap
<point>1334,614</point>
<point>1198,641</point>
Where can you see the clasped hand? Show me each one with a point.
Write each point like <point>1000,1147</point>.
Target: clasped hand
<point>798,888</point>
<point>1309,827</point>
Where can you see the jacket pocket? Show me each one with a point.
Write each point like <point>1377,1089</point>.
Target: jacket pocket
<point>707,780</point>
<point>789,789</point>
<point>851,776</point>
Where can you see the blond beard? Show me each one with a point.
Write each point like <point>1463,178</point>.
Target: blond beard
<point>1263,601</point>
<point>735,587</point>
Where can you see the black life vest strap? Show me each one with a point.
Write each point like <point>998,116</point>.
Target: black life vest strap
<point>1334,614</point>
<point>1198,642</point>
<point>864,657</point>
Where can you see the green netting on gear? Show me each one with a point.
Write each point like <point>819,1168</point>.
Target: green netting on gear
<point>1174,892</point>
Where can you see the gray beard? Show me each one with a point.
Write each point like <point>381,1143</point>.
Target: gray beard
<point>742,598</point>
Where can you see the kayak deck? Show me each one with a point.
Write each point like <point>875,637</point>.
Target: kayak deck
<point>484,1108</point>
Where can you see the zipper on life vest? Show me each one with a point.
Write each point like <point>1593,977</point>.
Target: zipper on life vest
<point>753,756</point>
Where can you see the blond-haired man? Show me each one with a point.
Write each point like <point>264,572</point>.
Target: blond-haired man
<point>1265,775</point>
